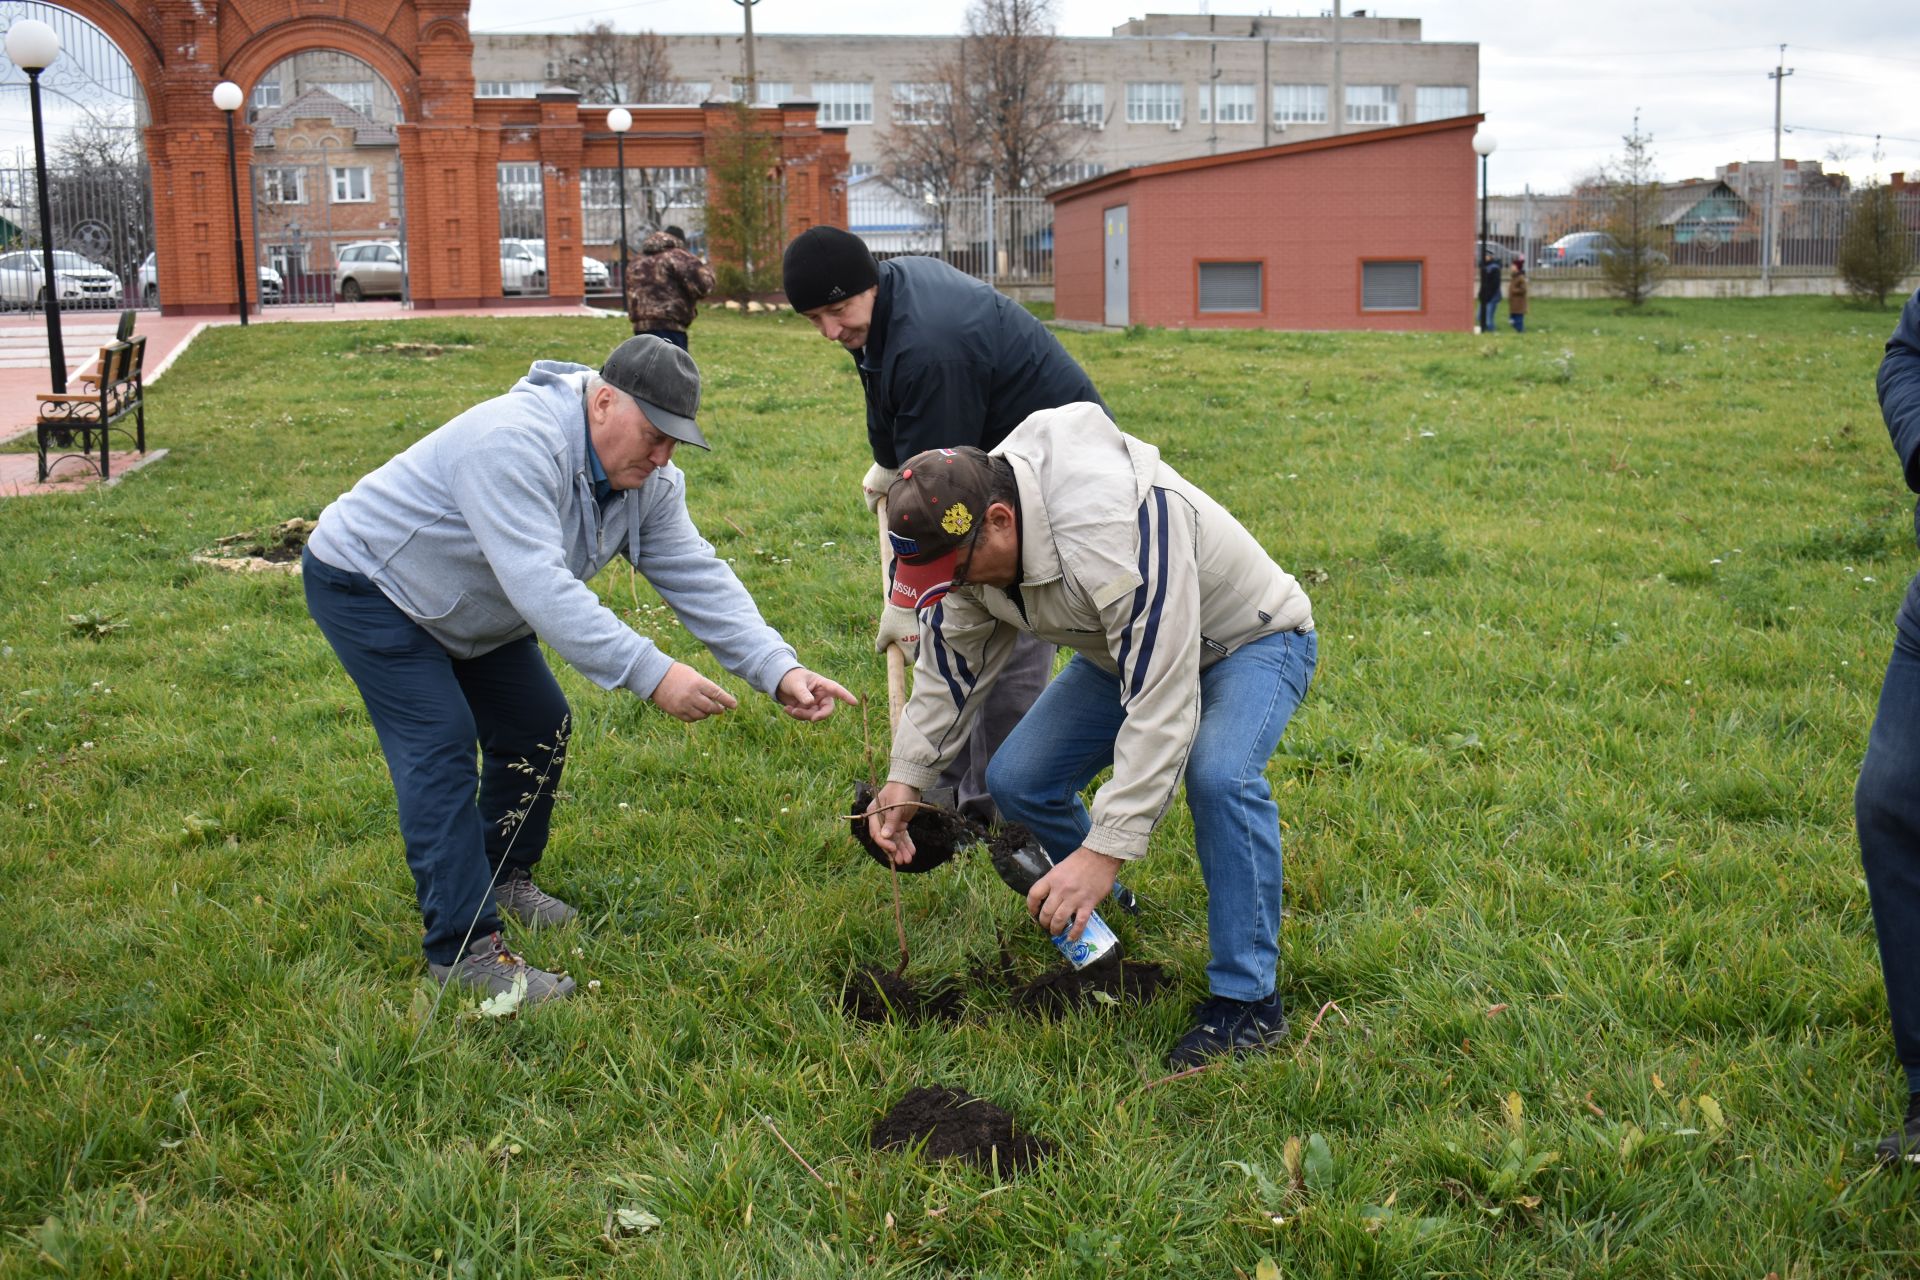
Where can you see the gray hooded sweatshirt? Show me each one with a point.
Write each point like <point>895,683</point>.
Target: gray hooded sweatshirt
<point>487,530</point>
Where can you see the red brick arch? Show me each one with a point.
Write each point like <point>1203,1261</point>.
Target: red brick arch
<point>266,49</point>
<point>450,146</point>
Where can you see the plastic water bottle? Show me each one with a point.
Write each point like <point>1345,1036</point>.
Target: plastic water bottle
<point>1019,869</point>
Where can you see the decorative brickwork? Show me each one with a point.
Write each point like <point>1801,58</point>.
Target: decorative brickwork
<point>450,145</point>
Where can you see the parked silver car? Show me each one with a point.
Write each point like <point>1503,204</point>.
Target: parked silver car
<point>369,269</point>
<point>78,281</point>
<point>271,285</point>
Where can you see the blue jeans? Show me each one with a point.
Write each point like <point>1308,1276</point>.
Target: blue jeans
<point>429,709</point>
<point>1886,810</point>
<point>1519,319</point>
<point>1487,309</point>
<point>1245,702</point>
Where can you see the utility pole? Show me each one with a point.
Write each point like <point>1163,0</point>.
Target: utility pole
<point>746,6</point>
<point>1213,98</point>
<point>1779,76</point>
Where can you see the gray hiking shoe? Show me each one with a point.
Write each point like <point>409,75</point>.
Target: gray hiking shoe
<point>490,968</point>
<point>527,902</point>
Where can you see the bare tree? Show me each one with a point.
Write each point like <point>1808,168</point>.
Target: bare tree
<point>1634,263</point>
<point>98,145</point>
<point>607,66</point>
<point>995,107</point>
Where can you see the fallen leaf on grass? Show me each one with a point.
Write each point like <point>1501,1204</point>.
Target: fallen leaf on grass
<point>633,1220</point>
<point>1266,1269</point>
<point>507,1003</point>
<point>1494,1011</point>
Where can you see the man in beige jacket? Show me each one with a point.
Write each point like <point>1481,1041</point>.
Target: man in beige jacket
<point>1192,650</point>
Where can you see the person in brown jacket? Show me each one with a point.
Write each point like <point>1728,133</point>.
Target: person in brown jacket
<point>1517,296</point>
<point>665,285</point>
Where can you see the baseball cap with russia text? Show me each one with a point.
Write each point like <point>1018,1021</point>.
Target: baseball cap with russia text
<point>934,510</point>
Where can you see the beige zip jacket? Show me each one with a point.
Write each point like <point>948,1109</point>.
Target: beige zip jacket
<point>1124,561</point>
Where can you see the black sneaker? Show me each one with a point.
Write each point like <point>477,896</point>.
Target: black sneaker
<point>1223,1027</point>
<point>1904,1146</point>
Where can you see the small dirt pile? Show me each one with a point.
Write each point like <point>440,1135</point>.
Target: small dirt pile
<point>1064,989</point>
<point>874,994</point>
<point>955,1125</point>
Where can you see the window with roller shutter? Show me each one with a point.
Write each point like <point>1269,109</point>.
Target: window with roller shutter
<point>1390,286</point>
<point>1230,286</point>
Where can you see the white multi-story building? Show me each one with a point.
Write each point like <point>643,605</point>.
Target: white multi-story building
<point>1162,87</point>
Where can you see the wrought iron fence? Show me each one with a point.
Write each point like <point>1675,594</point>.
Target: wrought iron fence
<point>1005,240</point>
<point>102,234</point>
<point>1702,232</point>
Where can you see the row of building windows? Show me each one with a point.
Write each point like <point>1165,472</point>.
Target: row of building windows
<point>288,184</point>
<point>1084,103</point>
<point>1227,288</point>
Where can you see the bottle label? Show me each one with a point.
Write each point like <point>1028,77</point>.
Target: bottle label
<point>1095,941</point>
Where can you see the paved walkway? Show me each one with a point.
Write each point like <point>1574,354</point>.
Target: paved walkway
<point>24,371</point>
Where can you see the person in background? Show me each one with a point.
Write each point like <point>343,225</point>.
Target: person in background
<point>1517,296</point>
<point>665,285</point>
<point>1886,802</point>
<point>1489,289</point>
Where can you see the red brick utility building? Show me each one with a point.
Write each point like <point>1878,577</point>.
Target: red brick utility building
<point>1370,230</point>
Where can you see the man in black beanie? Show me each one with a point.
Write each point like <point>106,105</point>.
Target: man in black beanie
<point>946,361</point>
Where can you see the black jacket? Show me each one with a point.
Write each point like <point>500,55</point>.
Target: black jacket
<point>951,361</point>
<point>1900,396</point>
<point>1490,280</point>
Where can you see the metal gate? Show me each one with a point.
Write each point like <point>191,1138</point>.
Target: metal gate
<point>328,225</point>
<point>102,235</point>
<point>523,230</point>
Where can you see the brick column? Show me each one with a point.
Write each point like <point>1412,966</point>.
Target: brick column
<point>562,142</point>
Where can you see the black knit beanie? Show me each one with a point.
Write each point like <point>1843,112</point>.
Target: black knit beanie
<point>824,265</point>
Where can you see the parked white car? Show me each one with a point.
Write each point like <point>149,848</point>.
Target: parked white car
<point>595,274</point>
<point>78,281</point>
<point>271,285</point>
<point>523,266</point>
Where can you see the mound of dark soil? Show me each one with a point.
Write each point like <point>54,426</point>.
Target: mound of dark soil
<point>937,834</point>
<point>874,994</point>
<point>955,1125</point>
<point>1065,989</point>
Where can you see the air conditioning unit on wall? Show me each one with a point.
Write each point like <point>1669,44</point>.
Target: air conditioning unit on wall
<point>1173,126</point>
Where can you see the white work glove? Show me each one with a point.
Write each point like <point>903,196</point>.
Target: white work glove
<point>898,625</point>
<point>874,485</point>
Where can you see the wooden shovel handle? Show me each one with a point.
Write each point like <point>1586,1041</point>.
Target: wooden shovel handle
<point>896,658</point>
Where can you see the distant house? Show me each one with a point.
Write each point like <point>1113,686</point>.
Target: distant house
<point>324,174</point>
<point>1704,210</point>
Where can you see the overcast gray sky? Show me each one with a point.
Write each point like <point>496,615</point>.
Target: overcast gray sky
<point>1559,79</point>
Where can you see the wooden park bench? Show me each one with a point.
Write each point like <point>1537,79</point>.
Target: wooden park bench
<point>113,390</point>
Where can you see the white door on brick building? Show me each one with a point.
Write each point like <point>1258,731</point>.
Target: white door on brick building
<point>1116,265</point>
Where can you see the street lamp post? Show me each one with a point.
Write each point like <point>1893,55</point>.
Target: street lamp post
<point>1483,146</point>
<point>620,120</point>
<point>228,97</point>
<point>32,46</point>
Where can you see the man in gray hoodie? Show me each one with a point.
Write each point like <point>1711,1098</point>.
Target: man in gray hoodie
<point>436,577</point>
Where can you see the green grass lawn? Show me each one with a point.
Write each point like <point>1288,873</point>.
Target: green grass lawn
<point>1603,612</point>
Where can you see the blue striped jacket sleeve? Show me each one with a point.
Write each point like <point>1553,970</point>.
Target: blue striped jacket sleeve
<point>1154,637</point>
<point>963,650</point>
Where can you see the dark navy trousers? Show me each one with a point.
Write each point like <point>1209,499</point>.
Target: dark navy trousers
<point>1886,808</point>
<point>430,711</point>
